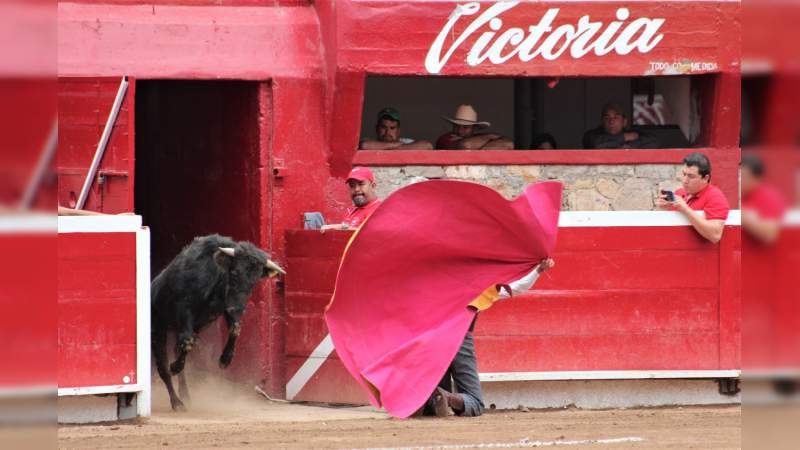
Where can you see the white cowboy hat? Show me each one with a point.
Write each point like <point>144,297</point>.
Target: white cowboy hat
<point>466,115</point>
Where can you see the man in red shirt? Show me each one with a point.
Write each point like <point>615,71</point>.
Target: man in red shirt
<point>361,183</point>
<point>763,207</point>
<point>698,194</point>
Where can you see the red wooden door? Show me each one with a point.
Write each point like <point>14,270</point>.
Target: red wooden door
<point>83,108</point>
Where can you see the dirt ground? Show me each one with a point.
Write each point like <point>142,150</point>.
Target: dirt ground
<point>236,417</point>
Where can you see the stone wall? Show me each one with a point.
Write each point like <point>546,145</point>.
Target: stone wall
<point>586,188</point>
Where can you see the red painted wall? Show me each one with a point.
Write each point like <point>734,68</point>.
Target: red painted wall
<point>96,314</point>
<point>770,310</point>
<point>29,281</point>
<point>83,108</point>
<point>28,114</point>
<point>175,41</point>
<point>311,61</point>
<point>200,2</point>
<point>373,37</point>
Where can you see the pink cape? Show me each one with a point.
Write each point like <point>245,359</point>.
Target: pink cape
<point>399,311</point>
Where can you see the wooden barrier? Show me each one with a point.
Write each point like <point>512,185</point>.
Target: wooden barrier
<point>104,307</point>
<point>633,295</point>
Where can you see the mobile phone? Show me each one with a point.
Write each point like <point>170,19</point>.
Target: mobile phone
<point>670,196</point>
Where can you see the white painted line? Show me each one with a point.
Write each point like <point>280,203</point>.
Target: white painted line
<point>99,224</point>
<point>792,217</point>
<point>754,66</point>
<point>28,223</point>
<point>27,391</point>
<point>633,218</point>
<point>607,375</point>
<point>309,368</point>
<point>522,443</point>
<point>92,390</point>
<point>325,348</point>
<point>143,321</point>
<point>769,374</point>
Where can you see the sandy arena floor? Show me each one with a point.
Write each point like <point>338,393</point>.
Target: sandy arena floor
<point>238,418</point>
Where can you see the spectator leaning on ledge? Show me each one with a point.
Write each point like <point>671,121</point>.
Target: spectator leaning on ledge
<point>698,194</point>
<point>387,130</point>
<point>544,141</point>
<point>763,206</point>
<point>613,132</point>
<point>465,137</point>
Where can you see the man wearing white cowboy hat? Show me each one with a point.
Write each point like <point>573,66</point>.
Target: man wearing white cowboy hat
<point>464,137</point>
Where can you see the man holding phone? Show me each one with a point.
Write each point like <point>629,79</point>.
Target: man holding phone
<point>698,194</point>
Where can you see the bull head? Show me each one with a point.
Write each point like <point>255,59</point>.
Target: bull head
<point>224,257</point>
<point>271,269</point>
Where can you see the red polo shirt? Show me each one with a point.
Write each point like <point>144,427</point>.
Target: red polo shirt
<point>448,141</point>
<point>766,201</point>
<point>710,200</point>
<point>356,216</point>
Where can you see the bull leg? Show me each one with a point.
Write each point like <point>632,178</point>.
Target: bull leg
<point>184,342</point>
<point>183,389</point>
<point>160,354</point>
<point>234,328</point>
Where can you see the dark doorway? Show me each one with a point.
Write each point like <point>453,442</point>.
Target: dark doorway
<point>201,147</point>
<point>197,162</point>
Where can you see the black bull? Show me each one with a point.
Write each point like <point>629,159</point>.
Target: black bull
<point>212,276</point>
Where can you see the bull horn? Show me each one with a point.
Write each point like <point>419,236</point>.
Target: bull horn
<point>272,266</point>
<point>228,251</point>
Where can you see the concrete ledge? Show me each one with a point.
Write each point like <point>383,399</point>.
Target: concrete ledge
<point>87,409</point>
<point>603,394</point>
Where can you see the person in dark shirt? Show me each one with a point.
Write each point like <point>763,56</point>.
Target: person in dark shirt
<point>467,400</point>
<point>613,132</point>
<point>544,141</point>
<point>387,132</point>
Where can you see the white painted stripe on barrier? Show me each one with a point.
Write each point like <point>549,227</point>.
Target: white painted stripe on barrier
<point>92,390</point>
<point>27,391</point>
<point>607,375</point>
<point>325,348</point>
<point>99,224</point>
<point>143,321</point>
<point>792,217</point>
<point>755,66</point>
<point>633,218</point>
<point>734,217</point>
<point>28,223</point>
<point>518,444</point>
<point>769,374</point>
<point>309,367</point>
